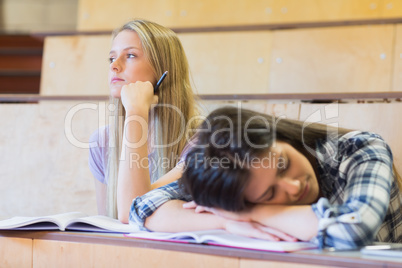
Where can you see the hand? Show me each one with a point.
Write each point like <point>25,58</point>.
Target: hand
<point>193,205</point>
<point>240,223</point>
<point>138,97</point>
<point>197,208</point>
<point>237,216</point>
<point>256,230</point>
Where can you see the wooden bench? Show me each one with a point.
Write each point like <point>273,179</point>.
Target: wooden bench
<point>209,13</point>
<point>20,63</point>
<point>316,60</point>
<point>69,249</point>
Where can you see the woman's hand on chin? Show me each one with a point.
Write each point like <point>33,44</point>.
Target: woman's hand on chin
<point>138,97</point>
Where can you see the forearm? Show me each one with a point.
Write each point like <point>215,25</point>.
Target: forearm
<point>172,217</point>
<point>298,221</point>
<point>133,177</point>
<point>100,189</point>
<point>169,177</point>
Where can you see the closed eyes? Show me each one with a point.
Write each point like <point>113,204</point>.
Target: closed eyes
<point>283,167</point>
<point>271,194</point>
<point>280,172</point>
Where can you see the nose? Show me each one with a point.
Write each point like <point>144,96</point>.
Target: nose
<point>291,186</point>
<point>116,66</point>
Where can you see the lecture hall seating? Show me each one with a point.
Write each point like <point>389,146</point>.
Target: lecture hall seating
<point>341,60</point>
<point>325,56</point>
<point>20,63</point>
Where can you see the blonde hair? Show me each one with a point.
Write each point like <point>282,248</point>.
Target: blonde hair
<point>171,120</point>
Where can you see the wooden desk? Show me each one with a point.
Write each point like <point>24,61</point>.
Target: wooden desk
<point>73,249</point>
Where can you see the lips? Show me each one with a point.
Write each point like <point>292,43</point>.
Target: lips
<point>116,79</point>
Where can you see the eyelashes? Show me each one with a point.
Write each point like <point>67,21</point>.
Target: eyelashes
<point>272,195</point>
<point>128,56</point>
<point>282,170</point>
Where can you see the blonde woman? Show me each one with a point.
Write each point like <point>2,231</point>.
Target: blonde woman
<point>141,148</point>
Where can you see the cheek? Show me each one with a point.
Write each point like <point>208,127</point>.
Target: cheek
<point>109,75</point>
<point>133,75</point>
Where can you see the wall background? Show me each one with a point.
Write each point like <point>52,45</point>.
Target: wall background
<point>38,15</point>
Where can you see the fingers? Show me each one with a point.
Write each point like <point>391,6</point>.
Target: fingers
<point>155,99</point>
<point>249,230</point>
<point>138,96</point>
<point>197,208</point>
<point>280,235</point>
<point>256,230</point>
<point>266,236</point>
<point>238,216</point>
<point>124,90</point>
<point>237,225</point>
<point>200,209</point>
<point>146,86</point>
<point>190,204</point>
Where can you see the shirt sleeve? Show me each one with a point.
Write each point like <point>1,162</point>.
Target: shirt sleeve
<point>97,154</point>
<point>355,221</point>
<point>144,206</point>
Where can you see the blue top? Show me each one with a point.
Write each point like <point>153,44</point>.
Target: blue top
<point>97,160</point>
<point>361,202</point>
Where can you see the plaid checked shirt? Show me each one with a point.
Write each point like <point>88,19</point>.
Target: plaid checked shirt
<point>361,202</point>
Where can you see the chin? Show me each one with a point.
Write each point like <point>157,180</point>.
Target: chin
<point>115,92</point>
<point>314,198</point>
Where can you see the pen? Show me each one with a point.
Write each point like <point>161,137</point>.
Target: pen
<point>160,82</point>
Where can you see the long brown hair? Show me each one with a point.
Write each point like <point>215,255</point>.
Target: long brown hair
<point>170,120</point>
<point>218,167</point>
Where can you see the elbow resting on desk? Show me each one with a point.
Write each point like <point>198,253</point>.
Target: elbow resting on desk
<point>123,218</point>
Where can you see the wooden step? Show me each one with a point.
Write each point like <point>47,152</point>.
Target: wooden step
<point>20,41</point>
<point>19,82</point>
<point>20,64</point>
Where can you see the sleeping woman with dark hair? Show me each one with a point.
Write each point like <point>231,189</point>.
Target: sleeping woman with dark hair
<point>279,179</point>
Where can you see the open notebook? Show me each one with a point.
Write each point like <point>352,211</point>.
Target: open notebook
<point>74,221</point>
<point>225,239</point>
